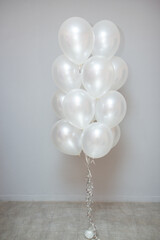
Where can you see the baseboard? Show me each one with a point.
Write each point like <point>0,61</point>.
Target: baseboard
<point>78,198</point>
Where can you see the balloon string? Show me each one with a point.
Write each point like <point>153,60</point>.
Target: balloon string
<point>89,197</point>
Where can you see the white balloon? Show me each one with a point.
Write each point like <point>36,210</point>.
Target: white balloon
<point>111,108</point>
<point>67,138</point>
<point>97,140</point>
<point>107,38</point>
<point>65,74</point>
<point>76,39</point>
<point>116,131</point>
<point>57,103</point>
<point>121,72</point>
<point>97,76</point>
<point>79,108</point>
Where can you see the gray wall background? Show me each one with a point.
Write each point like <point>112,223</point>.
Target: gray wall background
<point>31,168</point>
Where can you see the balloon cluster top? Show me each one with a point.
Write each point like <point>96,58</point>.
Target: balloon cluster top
<point>88,75</point>
<point>78,40</point>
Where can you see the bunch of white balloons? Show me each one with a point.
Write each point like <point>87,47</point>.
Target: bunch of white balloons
<point>88,76</point>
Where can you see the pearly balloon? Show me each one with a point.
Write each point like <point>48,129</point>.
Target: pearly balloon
<point>116,131</point>
<point>107,38</point>
<point>67,138</point>
<point>121,72</point>
<point>111,108</point>
<point>97,76</point>
<point>76,39</point>
<point>65,74</point>
<point>79,108</point>
<point>57,103</point>
<point>97,140</point>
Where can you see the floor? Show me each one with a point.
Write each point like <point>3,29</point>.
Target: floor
<point>67,221</point>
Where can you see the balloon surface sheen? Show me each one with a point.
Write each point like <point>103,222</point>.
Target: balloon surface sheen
<point>121,72</point>
<point>88,76</point>
<point>76,39</point>
<point>97,76</point>
<point>65,74</point>
<point>107,39</point>
<point>111,108</point>
<point>79,108</point>
<point>57,103</point>
<point>97,140</point>
<point>67,138</point>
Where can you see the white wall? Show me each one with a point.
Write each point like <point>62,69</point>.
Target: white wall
<point>31,168</point>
